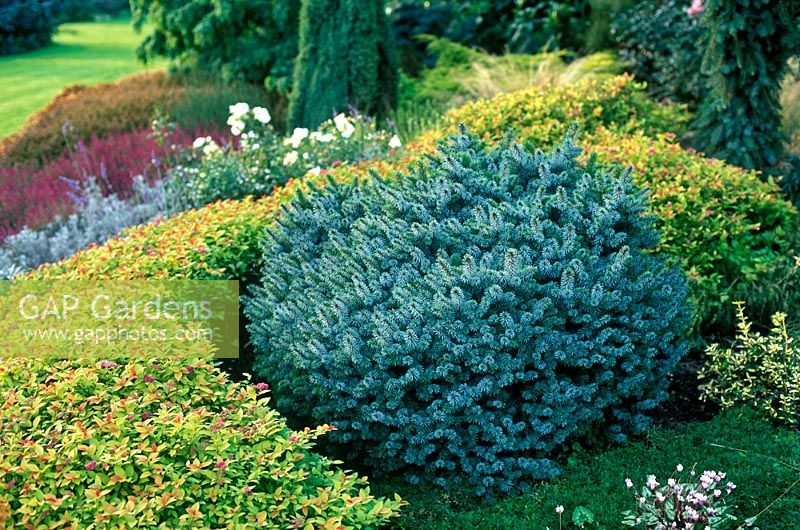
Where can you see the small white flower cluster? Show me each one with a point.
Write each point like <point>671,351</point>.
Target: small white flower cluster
<point>239,114</point>
<point>688,504</point>
<point>208,145</point>
<point>344,125</point>
<point>260,159</point>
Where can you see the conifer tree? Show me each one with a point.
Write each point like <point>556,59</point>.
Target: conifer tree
<point>749,43</point>
<point>346,58</point>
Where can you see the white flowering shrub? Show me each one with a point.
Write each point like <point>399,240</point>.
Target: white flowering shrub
<point>262,159</point>
<point>97,219</point>
<point>687,502</point>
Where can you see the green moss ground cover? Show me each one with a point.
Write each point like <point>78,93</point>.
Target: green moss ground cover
<point>762,460</point>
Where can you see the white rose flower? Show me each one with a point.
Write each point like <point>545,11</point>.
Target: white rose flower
<point>321,138</point>
<point>239,110</point>
<point>211,148</point>
<point>340,121</point>
<point>237,127</point>
<point>344,126</point>
<point>290,158</point>
<point>298,136</point>
<point>262,115</point>
<point>199,142</point>
<point>315,171</point>
<point>395,142</point>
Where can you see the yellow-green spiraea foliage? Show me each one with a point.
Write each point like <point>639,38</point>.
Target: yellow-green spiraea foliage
<point>459,323</point>
<point>162,444</point>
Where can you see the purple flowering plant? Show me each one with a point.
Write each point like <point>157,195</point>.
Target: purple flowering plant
<point>686,501</point>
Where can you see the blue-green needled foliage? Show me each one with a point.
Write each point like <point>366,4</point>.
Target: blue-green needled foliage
<point>461,322</point>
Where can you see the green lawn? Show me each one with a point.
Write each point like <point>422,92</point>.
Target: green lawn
<point>88,52</point>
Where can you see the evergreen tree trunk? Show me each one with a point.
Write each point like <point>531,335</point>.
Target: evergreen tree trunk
<point>346,58</point>
<point>749,43</point>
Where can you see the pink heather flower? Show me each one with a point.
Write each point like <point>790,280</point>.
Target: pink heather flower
<point>696,8</point>
<point>559,509</point>
<point>220,465</point>
<point>148,379</point>
<point>247,490</point>
<point>91,465</point>
<point>292,438</point>
<point>108,364</point>
<point>261,387</point>
<point>628,483</point>
<point>202,250</point>
<point>10,484</point>
<point>146,415</point>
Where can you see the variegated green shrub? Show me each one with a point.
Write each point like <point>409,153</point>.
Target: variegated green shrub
<point>760,371</point>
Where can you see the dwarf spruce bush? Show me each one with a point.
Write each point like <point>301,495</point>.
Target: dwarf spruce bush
<point>463,321</point>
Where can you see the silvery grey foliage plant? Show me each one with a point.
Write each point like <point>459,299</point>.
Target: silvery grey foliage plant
<point>96,220</point>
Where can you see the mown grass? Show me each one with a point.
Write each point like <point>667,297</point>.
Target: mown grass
<point>763,460</point>
<point>86,53</point>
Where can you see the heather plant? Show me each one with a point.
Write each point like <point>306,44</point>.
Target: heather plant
<point>194,103</point>
<point>218,241</point>
<point>79,111</point>
<point>686,501</point>
<point>460,323</point>
<point>97,218</point>
<point>263,159</point>
<point>33,196</point>
<point>163,444</point>
<point>760,371</point>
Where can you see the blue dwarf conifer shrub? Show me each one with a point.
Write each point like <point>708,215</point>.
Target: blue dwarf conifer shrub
<point>461,322</point>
